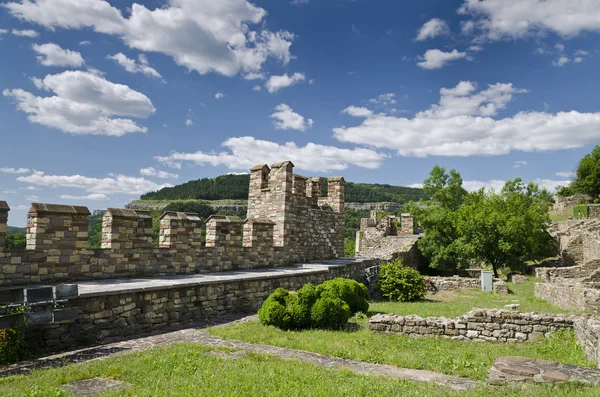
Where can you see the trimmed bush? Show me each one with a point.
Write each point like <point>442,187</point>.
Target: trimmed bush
<point>581,211</point>
<point>328,305</point>
<point>400,283</point>
<point>274,310</point>
<point>329,313</point>
<point>352,292</point>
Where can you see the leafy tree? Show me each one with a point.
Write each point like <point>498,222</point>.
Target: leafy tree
<point>436,217</point>
<point>15,241</point>
<point>588,174</point>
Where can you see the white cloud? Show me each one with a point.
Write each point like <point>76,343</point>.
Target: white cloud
<point>32,188</point>
<point>32,198</point>
<point>497,19</point>
<point>121,184</point>
<point>256,88</point>
<point>85,42</point>
<point>3,31</point>
<point>93,196</point>
<point>84,103</point>
<point>567,174</point>
<point>476,48</point>
<point>519,163</point>
<point>462,124</point>
<point>202,35</point>
<point>384,99</point>
<point>286,119</point>
<point>437,59</point>
<point>219,95</point>
<point>189,123</point>
<point>246,152</point>
<point>15,170</point>
<point>560,62</point>
<point>25,33</point>
<point>356,111</point>
<point>432,28</point>
<point>132,66</point>
<point>53,55</point>
<point>275,83</point>
<point>151,171</point>
<point>254,76</point>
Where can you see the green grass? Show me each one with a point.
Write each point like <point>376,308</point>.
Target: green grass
<point>454,357</point>
<point>453,304</point>
<point>191,370</point>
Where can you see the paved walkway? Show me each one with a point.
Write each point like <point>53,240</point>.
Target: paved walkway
<point>199,335</point>
<point>119,286</point>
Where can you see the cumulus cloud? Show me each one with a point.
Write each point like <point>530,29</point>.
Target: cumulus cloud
<point>256,88</point>
<point>437,59</point>
<point>561,61</point>
<point>432,28</point>
<point>94,196</point>
<point>151,171</point>
<point>3,31</point>
<point>498,19</point>
<point>84,103</point>
<point>384,99</point>
<point>356,111</point>
<point>286,119</point>
<point>497,185</point>
<point>201,35</point>
<point>275,83</point>
<point>130,65</point>
<point>53,55</point>
<point>25,33</point>
<point>115,184</point>
<point>14,170</point>
<point>219,95</point>
<point>463,124</point>
<point>85,42</point>
<point>188,122</point>
<point>246,152</point>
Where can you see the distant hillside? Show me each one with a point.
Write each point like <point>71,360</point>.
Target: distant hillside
<point>16,230</point>
<point>235,187</point>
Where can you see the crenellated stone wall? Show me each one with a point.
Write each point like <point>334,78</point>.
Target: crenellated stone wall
<point>286,224</point>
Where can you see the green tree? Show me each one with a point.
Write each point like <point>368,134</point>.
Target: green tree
<point>588,174</point>
<point>15,241</point>
<point>436,217</point>
<point>506,228</point>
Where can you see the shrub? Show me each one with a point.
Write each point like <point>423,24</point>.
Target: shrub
<point>328,305</point>
<point>274,310</point>
<point>400,283</point>
<point>580,212</point>
<point>11,345</point>
<point>350,291</point>
<point>329,313</point>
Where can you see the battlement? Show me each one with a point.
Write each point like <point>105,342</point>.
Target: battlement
<point>288,221</point>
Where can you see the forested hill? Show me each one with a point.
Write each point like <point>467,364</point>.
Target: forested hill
<point>235,187</point>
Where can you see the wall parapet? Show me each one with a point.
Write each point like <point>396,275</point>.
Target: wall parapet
<point>126,229</point>
<point>180,230</point>
<point>54,226</point>
<point>4,208</point>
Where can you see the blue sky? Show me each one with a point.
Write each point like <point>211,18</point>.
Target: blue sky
<point>104,100</point>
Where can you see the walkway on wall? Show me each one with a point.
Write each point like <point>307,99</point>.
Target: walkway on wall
<point>127,285</point>
<point>199,335</point>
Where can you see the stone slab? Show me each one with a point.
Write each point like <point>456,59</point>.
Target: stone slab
<point>94,386</point>
<point>515,370</point>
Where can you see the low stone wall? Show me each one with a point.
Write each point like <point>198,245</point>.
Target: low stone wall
<point>587,330</point>
<point>112,311</point>
<point>570,294</point>
<point>491,325</point>
<point>459,283</point>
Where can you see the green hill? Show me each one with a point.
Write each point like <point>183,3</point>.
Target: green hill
<point>235,187</point>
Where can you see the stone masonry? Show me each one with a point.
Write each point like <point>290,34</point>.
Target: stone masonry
<point>288,222</point>
<point>491,325</point>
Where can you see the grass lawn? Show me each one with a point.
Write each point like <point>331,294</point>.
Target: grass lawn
<point>193,370</point>
<point>453,357</point>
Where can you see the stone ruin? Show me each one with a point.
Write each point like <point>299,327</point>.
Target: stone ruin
<point>288,222</point>
<point>388,239</point>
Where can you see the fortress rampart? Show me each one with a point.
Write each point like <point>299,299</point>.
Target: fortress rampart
<point>288,221</point>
